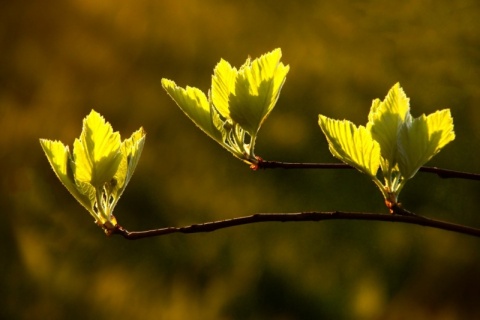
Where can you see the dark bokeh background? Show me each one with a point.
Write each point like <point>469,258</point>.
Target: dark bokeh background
<point>60,59</point>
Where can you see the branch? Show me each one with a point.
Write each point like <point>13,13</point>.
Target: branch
<point>442,173</point>
<point>402,216</point>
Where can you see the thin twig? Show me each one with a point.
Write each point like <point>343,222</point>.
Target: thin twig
<point>297,217</point>
<point>446,174</point>
<point>442,173</point>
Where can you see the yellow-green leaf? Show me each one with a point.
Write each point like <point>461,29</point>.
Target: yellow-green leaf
<point>195,105</point>
<point>97,152</point>
<point>384,122</point>
<point>252,94</point>
<point>223,87</point>
<point>257,88</point>
<point>353,145</point>
<point>131,152</point>
<point>422,138</point>
<point>441,121</point>
<point>59,157</point>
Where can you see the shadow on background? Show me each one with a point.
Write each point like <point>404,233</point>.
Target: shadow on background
<point>60,59</point>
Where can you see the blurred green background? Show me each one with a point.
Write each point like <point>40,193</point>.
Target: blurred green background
<point>60,59</point>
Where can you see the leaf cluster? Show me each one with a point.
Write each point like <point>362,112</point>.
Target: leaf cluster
<point>238,102</point>
<point>98,170</point>
<point>392,141</point>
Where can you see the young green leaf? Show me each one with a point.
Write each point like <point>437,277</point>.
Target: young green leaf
<point>254,91</point>
<point>131,150</point>
<point>97,152</point>
<point>223,87</point>
<point>384,122</point>
<point>353,145</point>
<point>422,138</point>
<point>61,161</point>
<point>195,105</point>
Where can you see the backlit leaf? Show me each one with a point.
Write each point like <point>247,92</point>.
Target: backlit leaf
<point>257,88</point>
<point>59,157</point>
<point>384,122</point>
<point>195,105</point>
<point>223,87</point>
<point>422,138</point>
<point>131,151</point>
<point>97,152</point>
<point>353,145</point>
